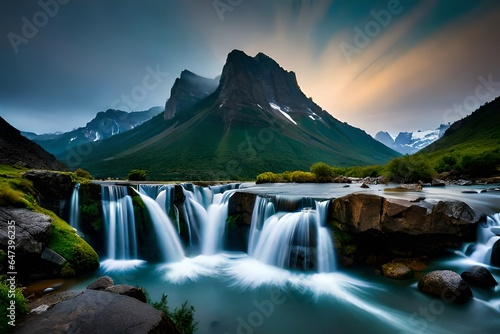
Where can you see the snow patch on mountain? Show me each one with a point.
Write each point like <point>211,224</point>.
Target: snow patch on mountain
<point>411,142</point>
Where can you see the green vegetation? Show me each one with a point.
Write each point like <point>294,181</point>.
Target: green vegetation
<point>409,169</point>
<point>137,175</point>
<point>19,192</point>
<point>83,174</point>
<point>183,317</point>
<point>21,306</point>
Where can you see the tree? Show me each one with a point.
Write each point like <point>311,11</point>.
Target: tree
<point>137,175</point>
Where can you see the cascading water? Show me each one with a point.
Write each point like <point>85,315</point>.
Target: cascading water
<point>119,221</point>
<point>296,240</point>
<point>487,235</point>
<point>166,236</point>
<point>214,227</point>
<point>74,216</point>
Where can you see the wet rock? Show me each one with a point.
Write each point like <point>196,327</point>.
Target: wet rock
<point>241,204</point>
<point>102,283</point>
<point>55,189</point>
<point>364,186</point>
<point>98,312</point>
<point>495,254</point>
<point>128,290</point>
<point>53,257</point>
<point>447,285</point>
<point>32,230</point>
<point>396,270</point>
<point>479,276</point>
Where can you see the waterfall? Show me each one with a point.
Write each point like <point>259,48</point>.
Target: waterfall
<point>296,240</point>
<point>215,225</point>
<point>119,221</point>
<point>487,235</point>
<point>166,236</point>
<point>74,214</point>
<point>205,211</point>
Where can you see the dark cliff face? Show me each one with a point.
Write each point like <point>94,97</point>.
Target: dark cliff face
<point>18,150</point>
<point>188,90</point>
<point>259,81</point>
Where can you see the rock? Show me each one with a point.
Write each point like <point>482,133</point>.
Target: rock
<point>364,185</point>
<point>357,212</point>
<point>342,179</point>
<point>453,217</point>
<point>55,189</point>
<point>98,312</point>
<point>241,204</point>
<point>128,290</point>
<point>415,264</point>
<point>102,283</point>
<point>32,230</point>
<point>53,257</point>
<point>438,183</point>
<point>40,309</point>
<point>495,254</point>
<point>447,285</point>
<point>480,277</point>
<point>398,271</point>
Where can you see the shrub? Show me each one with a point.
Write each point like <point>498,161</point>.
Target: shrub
<point>83,174</point>
<point>302,177</point>
<point>446,163</point>
<point>137,175</point>
<point>268,177</point>
<point>322,172</point>
<point>409,169</point>
<point>483,164</point>
<point>183,317</point>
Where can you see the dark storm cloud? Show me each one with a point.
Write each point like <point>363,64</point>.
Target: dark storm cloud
<point>94,55</point>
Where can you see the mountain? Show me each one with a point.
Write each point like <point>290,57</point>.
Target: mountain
<point>18,150</point>
<point>256,120</point>
<point>188,90</point>
<point>104,125</point>
<point>411,142</point>
<point>476,133</point>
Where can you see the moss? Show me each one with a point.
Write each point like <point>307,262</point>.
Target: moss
<point>343,240</point>
<point>67,270</point>
<point>21,305</point>
<point>69,245</point>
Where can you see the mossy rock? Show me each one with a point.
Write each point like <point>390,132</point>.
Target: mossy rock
<point>397,271</point>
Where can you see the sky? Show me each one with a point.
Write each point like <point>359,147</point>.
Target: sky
<point>391,65</point>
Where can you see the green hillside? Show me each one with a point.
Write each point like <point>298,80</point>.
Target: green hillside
<point>471,145</point>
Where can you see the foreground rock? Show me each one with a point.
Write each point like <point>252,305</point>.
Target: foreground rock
<point>95,312</point>
<point>480,277</point>
<point>447,285</point>
<point>378,229</point>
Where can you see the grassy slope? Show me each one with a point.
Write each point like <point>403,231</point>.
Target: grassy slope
<point>206,143</point>
<point>19,192</point>
<point>476,133</point>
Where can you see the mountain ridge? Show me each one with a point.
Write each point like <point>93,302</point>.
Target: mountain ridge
<point>256,120</point>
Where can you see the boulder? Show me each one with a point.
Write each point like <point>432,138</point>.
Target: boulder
<point>32,230</point>
<point>495,254</point>
<point>128,290</point>
<point>102,283</point>
<point>98,312</point>
<point>342,179</point>
<point>396,270</point>
<point>447,285</point>
<point>241,204</point>
<point>55,189</point>
<point>479,276</point>
<point>365,186</point>
<point>385,228</point>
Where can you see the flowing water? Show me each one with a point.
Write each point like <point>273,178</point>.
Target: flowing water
<point>74,214</point>
<point>288,281</point>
